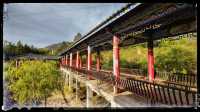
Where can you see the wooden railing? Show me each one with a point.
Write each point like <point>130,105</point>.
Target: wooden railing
<point>152,91</point>
<point>178,78</point>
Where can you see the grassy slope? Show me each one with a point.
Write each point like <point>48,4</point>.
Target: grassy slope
<point>169,55</point>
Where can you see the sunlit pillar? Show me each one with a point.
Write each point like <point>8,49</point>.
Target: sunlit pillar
<point>70,59</point>
<point>77,59</point>
<point>89,61</point>
<point>116,58</point>
<point>89,95</point>
<point>150,60</point>
<point>80,62</point>
<point>66,60</point>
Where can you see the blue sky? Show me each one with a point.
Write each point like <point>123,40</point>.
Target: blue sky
<point>42,24</point>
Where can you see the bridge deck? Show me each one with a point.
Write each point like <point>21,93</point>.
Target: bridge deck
<point>152,92</point>
<point>123,99</point>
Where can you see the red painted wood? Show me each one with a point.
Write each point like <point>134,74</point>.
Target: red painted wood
<point>77,59</point>
<point>80,62</point>
<point>150,60</point>
<point>70,59</point>
<point>89,61</point>
<point>66,60</point>
<point>116,58</point>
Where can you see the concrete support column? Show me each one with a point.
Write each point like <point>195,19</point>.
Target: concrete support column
<point>77,88</point>
<point>98,60</point>
<point>89,61</point>
<point>150,60</point>
<point>77,59</point>
<point>70,59</point>
<point>89,95</point>
<point>16,63</point>
<point>116,58</point>
<point>66,79</point>
<point>70,80</point>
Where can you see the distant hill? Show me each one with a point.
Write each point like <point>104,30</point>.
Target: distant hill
<point>53,46</point>
<point>58,47</point>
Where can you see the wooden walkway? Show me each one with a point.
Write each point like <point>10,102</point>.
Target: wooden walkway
<point>153,93</point>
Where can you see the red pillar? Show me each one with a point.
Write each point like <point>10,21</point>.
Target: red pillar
<point>66,60</point>
<point>63,60</point>
<point>116,58</point>
<point>89,61</point>
<point>77,59</point>
<point>98,60</point>
<point>86,61</point>
<point>150,60</point>
<point>64,63</point>
<point>80,62</point>
<point>70,59</point>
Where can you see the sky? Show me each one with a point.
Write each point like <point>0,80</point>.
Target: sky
<point>42,24</point>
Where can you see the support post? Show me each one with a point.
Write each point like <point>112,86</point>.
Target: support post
<point>88,97</point>
<point>70,81</point>
<point>70,59</point>
<point>80,62</point>
<point>116,58</point>
<point>98,61</point>
<point>63,60</point>
<point>89,61</point>
<point>77,59</point>
<point>16,63</point>
<point>77,89</point>
<point>66,79</point>
<point>66,60</point>
<point>150,60</point>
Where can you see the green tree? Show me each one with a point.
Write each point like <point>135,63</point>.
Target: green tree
<point>33,81</point>
<point>19,49</point>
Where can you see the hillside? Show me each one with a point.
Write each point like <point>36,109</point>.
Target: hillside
<point>57,45</point>
<point>54,49</point>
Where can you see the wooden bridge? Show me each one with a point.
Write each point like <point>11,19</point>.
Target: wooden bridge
<point>134,24</point>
